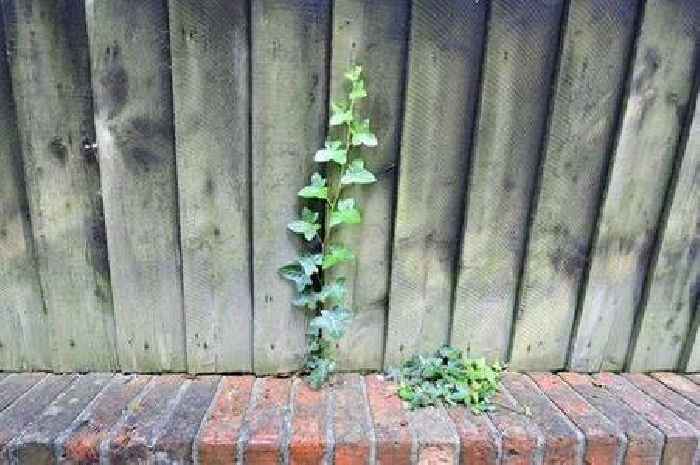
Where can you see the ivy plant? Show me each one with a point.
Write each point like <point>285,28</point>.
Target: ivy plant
<point>446,377</point>
<point>326,199</point>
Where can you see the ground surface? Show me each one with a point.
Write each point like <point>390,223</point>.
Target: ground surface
<point>539,419</point>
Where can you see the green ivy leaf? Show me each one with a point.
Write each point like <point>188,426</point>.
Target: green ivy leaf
<point>316,190</point>
<point>295,272</point>
<point>358,90</point>
<point>310,262</point>
<point>362,135</point>
<point>354,74</point>
<point>336,254</point>
<point>332,323</point>
<point>345,213</point>
<point>320,371</point>
<point>357,174</point>
<point>306,299</point>
<point>334,151</point>
<point>341,113</point>
<point>335,291</point>
<point>306,225</point>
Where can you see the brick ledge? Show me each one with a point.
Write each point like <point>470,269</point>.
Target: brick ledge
<point>540,419</point>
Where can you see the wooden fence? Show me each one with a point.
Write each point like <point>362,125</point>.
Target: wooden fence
<point>538,197</point>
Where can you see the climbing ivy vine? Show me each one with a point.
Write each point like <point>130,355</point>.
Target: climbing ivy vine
<point>325,198</point>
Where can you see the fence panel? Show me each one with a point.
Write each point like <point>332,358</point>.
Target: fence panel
<point>536,198</point>
<point>375,35</point>
<point>672,285</point>
<point>658,97</point>
<point>23,320</point>
<point>130,58</point>
<point>50,67</point>
<point>521,52</point>
<point>290,42</point>
<point>592,70</point>
<point>443,76</point>
<point>211,96</point>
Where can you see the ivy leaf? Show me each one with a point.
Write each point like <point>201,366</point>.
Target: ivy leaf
<point>310,262</point>
<point>358,90</point>
<point>354,73</point>
<point>341,113</point>
<point>335,291</point>
<point>321,369</point>
<point>345,213</point>
<point>295,272</point>
<point>357,174</point>
<point>334,151</point>
<point>306,225</point>
<point>306,299</point>
<point>362,135</point>
<point>316,190</point>
<point>335,255</point>
<point>332,323</point>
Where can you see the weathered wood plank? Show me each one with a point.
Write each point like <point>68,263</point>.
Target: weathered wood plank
<point>23,321</point>
<point>672,295</point>
<point>51,82</point>
<point>589,86</point>
<point>656,106</point>
<point>446,40</point>
<point>15,385</point>
<point>133,120</point>
<point>521,51</point>
<point>289,73</point>
<point>210,57</point>
<point>692,354</point>
<point>374,35</point>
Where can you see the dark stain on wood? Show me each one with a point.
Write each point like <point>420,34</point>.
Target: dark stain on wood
<point>115,81</point>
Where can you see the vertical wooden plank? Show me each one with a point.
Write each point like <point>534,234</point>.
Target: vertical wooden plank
<point>134,122</point>
<point>672,288</point>
<point>691,358</point>
<point>443,75</point>
<point>596,45</point>
<point>210,57</point>
<point>521,51</point>
<point>23,321</point>
<point>656,106</point>
<point>289,49</point>
<point>374,35</point>
<point>51,81</point>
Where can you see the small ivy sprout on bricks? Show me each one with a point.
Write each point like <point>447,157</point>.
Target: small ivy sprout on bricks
<point>448,378</point>
<point>324,300</point>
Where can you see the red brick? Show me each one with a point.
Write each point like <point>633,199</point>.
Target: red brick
<point>35,445</point>
<point>390,422</point>
<point>268,422</point>
<point>681,440</point>
<point>131,439</point>
<point>605,443</point>
<point>479,439</point>
<point>308,440</point>
<point>217,443</point>
<point>351,421</point>
<point>563,441</point>
<point>436,437</point>
<point>678,404</point>
<point>27,408</point>
<point>522,441</point>
<point>15,385</point>
<point>81,442</point>
<point>681,385</point>
<point>644,442</point>
<point>174,445</point>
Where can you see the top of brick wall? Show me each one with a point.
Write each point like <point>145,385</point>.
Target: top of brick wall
<point>539,419</point>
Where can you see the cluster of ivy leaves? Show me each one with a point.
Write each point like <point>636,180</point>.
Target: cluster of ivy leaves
<point>448,378</point>
<point>324,301</point>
